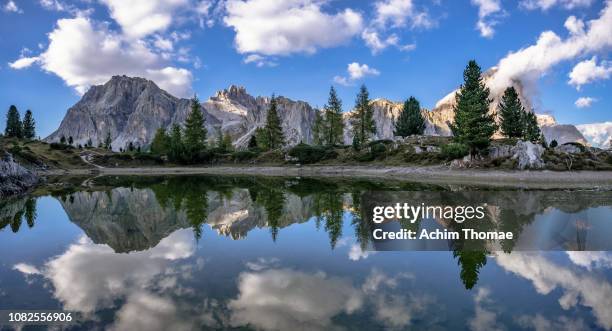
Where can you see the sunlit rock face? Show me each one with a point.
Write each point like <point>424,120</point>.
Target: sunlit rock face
<point>14,179</point>
<point>132,109</point>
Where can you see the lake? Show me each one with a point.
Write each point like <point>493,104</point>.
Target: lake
<point>190,253</point>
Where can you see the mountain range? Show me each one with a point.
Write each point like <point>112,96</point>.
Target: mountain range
<point>131,109</point>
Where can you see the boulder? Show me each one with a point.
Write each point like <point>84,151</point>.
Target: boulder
<point>502,151</point>
<point>14,179</point>
<point>528,155</point>
<point>569,149</point>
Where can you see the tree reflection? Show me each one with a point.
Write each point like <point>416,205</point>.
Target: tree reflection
<point>14,212</point>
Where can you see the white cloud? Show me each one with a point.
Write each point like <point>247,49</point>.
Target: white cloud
<point>285,27</point>
<point>282,299</point>
<point>260,61</point>
<point>589,71</point>
<point>355,72</point>
<point>399,13</point>
<point>23,62</point>
<point>486,8</point>
<point>56,5</point>
<point>484,318</point>
<point>577,287</point>
<point>389,15</point>
<point>591,259</point>
<point>163,43</point>
<point>376,44</point>
<point>11,7</point>
<point>547,4</point>
<point>26,269</point>
<point>584,102</point>
<point>139,18</point>
<point>530,63</point>
<point>540,323</point>
<point>85,54</point>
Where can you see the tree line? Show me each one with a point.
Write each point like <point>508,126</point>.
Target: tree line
<point>17,128</point>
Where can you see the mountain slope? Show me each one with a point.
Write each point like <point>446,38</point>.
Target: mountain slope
<point>132,109</point>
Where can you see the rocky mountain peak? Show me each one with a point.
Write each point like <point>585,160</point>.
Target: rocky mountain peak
<point>233,93</point>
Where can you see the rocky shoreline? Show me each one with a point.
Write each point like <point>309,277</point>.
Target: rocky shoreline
<point>14,179</point>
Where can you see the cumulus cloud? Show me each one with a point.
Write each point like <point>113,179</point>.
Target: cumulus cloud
<point>11,7</point>
<point>540,323</point>
<point>584,102</point>
<point>589,71</point>
<point>487,8</point>
<point>260,61</point>
<point>83,53</point>
<point>547,4</point>
<point>26,269</point>
<point>139,18</point>
<point>484,318</point>
<point>591,259</point>
<point>389,15</point>
<point>356,72</point>
<point>276,27</point>
<point>530,63</point>
<point>283,299</point>
<point>145,311</point>
<point>577,287</point>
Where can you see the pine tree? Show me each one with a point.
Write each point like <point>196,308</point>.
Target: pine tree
<point>253,142</point>
<point>333,125</point>
<point>130,147</point>
<point>410,120</point>
<point>227,142</point>
<point>318,132</point>
<point>13,123</point>
<point>62,139</point>
<point>195,132</point>
<point>362,118</point>
<point>473,124</point>
<point>274,131</point>
<point>89,143</point>
<point>261,135</point>
<point>530,126</point>
<point>108,141</point>
<point>176,149</point>
<point>70,140</point>
<point>29,125</point>
<point>511,113</point>
<point>160,143</point>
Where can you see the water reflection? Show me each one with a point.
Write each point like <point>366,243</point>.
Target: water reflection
<point>190,253</point>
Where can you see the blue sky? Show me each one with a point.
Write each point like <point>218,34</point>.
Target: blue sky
<point>51,51</point>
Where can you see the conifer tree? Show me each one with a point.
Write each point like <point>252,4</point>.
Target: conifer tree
<point>29,125</point>
<point>175,152</point>
<point>333,125</point>
<point>530,126</point>
<point>511,113</point>
<point>273,128</point>
<point>410,120</point>
<point>362,118</point>
<point>13,123</point>
<point>252,142</point>
<point>161,142</point>
<point>108,141</point>
<point>195,132</point>
<point>62,139</point>
<point>473,124</point>
<point>89,143</point>
<point>70,141</point>
<point>261,135</point>
<point>227,142</point>
<point>318,131</point>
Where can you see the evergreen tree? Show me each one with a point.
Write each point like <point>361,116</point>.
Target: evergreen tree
<point>89,143</point>
<point>13,123</point>
<point>362,118</point>
<point>511,113</point>
<point>130,147</point>
<point>530,126</point>
<point>227,142</point>
<point>554,144</point>
<point>261,135</point>
<point>70,140</point>
<point>108,141</point>
<point>410,120</point>
<point>333,125</point>
<point>161,142</point>
<point>62,139</point>
<point>195,132</point>
<point>175,152</point>
<point>273,129</point>
<point>252,142</point>
<point>473,124</point>
<point>318,132</point>
<point>29,125</point>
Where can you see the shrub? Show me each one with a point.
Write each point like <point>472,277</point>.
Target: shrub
<point>454,151</point>
<point>378,150</point>
<point>59,146</point>
<point>241,156</point>
<point>311,154</point>
<point>553,144</point>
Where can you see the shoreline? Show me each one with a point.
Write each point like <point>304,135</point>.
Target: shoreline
<point>543,179</point>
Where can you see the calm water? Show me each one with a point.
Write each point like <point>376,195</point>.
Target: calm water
<point>188,253</point>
